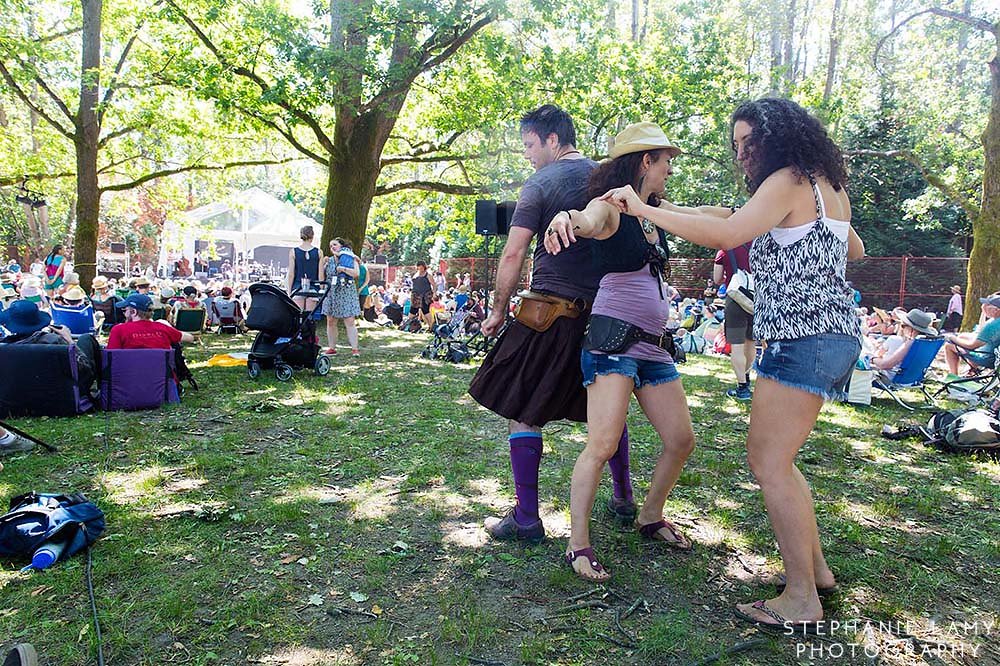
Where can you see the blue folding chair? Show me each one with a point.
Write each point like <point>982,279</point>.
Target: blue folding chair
<point>912,370</point>
<point>78,320</point>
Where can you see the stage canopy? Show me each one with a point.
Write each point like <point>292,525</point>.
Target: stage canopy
<point>251,224</point>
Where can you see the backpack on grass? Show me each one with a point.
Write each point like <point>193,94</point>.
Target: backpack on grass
<point>35,518</point>
<point>965,430</point>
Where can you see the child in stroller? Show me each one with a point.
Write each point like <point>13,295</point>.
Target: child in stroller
<point>286,337</point>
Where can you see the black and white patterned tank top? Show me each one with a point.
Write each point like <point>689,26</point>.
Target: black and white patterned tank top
<point>801,288</point>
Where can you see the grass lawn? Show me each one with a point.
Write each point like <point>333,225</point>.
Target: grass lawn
<point>337,520</point>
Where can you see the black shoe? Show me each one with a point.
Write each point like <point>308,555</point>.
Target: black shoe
<point>21,654</point>
<point>508,529</point>
<point>623,511</point>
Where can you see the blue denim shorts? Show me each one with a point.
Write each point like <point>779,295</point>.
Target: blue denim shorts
<point>643,373</point>
<point>820,364</point>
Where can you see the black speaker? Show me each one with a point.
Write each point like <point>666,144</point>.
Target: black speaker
<point>492,218</point>
<point>486,218</point>
<point>118,248</point>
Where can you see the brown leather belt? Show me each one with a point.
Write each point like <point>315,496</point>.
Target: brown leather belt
<point>538,311</point>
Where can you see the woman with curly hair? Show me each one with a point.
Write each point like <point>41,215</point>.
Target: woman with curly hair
<point>799,220</point>
<point>624,351</point>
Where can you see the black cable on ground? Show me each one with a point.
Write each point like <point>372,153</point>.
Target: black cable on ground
<point>93,609</point>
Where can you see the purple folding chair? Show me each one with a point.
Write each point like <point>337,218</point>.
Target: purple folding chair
<point>134,379</point>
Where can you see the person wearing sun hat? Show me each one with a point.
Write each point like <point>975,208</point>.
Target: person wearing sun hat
<point>953,315</point>
<point>912,325</point>
<point>632,305</point>
<point>977,349</point>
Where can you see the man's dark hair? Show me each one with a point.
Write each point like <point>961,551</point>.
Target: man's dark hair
<point>420,263</point>
<point>786,135</point>
<point>550,119</point>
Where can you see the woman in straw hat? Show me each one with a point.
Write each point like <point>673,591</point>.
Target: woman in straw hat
<point>632,298</point>
<point>799,220</point>
<point>912,324</point>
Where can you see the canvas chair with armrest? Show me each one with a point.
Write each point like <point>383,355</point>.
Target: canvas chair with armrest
<point>912,371</point>
<point>190,320</point>
<point>975,389</point>
<point>228,314</point>
<point>78,320</point>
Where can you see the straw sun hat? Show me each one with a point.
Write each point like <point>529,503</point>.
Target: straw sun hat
<point>642,136</point>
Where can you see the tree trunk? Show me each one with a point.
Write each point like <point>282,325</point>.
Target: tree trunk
<point>984,260</point>
<point>831,61</point>
<point>354,171</point>
<point>88,193</point>
<point>789,76</point>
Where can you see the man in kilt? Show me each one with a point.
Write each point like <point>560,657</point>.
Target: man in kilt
<point>532,375</point>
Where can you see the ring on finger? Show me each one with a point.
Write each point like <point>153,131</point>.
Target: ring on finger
<point>549,231</point>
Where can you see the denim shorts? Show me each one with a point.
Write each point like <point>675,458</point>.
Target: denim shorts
<point>820,364</point>
<point>643,373</point>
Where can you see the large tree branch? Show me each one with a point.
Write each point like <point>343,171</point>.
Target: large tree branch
<point>58,35</point>
<point>448,45</point>
<point>977,23</point>
<point>7,181</point>
<point>114,135</point>
<point>250,75</point>
<point>285,132</point>
<point>953,195</point>
<point>113,83</point>
<point>48,91</point>
<point>24,97</point>
<point>445,188</point>
<point>118,187</point>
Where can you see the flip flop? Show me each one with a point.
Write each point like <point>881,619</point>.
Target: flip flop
<point>823,592</point>
<point>573,555</point>
<point>651,530</point>
<point>780,624</point>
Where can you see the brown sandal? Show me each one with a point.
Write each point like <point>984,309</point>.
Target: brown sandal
<point>573,555</point>
<point>651,531</point>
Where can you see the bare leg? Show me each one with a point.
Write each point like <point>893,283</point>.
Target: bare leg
<point>738,359</point>
<point>750,354</point>
<point>666,407</point>
<point>352,332</point>
<point>951,358</point>
<point>331,333</point>
<point>607,405</point>
<point>781,419</point>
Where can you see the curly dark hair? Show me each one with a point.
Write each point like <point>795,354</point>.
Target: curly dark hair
<point>622,171</point>
<point>785,134</point>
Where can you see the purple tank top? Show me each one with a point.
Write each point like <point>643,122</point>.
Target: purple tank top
<point>634,297</point>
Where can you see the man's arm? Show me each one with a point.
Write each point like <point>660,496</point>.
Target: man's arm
<point>508,276</point>
<point>291,269</point>
<point>968,341</point>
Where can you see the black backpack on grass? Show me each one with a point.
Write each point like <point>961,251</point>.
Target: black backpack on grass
<point>35,518</point>
<point>965,431</point>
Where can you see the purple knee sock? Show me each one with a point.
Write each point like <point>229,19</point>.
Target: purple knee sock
<point>618,464</point>
<point>525,455</point>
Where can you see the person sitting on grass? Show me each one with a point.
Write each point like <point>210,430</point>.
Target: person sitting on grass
<point>978,350</point>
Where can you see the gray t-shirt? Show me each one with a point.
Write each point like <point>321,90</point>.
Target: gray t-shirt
<point>558,186</point>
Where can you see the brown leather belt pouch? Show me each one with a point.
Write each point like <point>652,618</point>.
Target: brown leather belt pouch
<point>538,311</point>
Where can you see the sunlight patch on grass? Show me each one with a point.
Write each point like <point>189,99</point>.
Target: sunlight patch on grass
<point>370,499</point>
<point>130,487</point>
<point>464,535</point>
<point>307,656</point>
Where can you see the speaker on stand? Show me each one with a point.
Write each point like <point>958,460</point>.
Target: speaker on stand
<point>492,220</point>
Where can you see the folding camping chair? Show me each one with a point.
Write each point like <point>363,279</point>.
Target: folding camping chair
<point>77,320</point>
<point>974,390</point>
<point>191,320</point>
<point>912,370</point>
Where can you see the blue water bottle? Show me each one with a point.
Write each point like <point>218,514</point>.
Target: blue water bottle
<point>47,554</point>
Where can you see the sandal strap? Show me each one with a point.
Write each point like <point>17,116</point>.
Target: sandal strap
<point>588,552</point>
<point>762,606</point>
<point>649,531</point>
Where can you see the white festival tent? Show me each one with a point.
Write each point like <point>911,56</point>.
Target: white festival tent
<point>251,224</point>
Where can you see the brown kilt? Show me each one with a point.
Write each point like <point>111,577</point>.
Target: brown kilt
<point>534,377</point>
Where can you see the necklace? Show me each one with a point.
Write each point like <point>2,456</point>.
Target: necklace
<point>647,226</point>
<point>568,152</point>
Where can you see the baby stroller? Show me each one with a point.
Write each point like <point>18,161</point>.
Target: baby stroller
<point>286,337</point>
